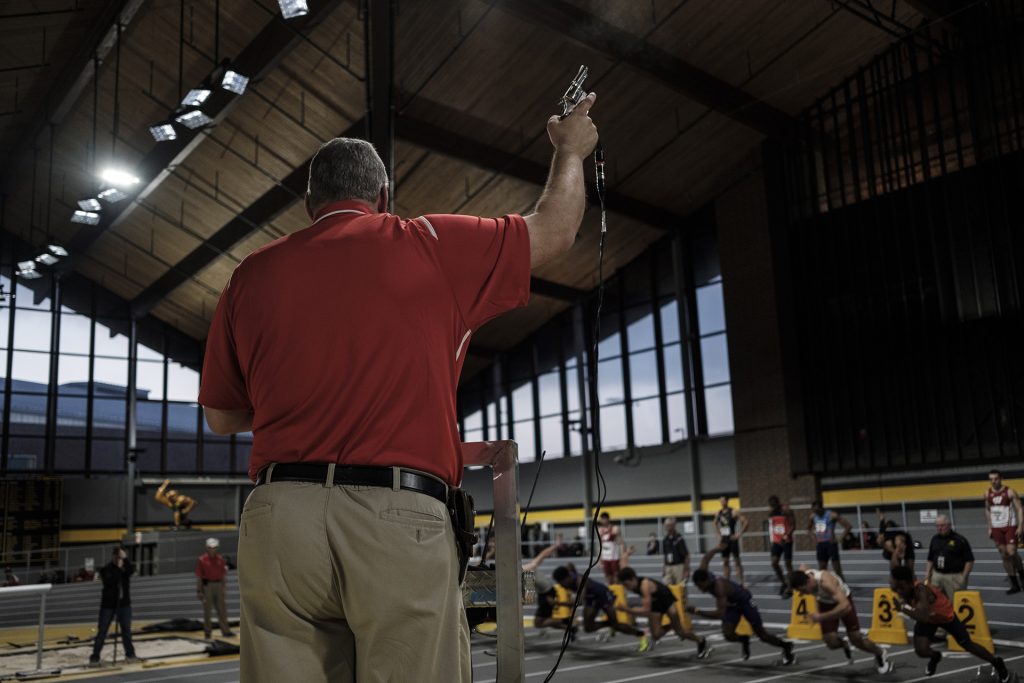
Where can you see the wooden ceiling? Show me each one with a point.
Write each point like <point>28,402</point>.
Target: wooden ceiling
<point>686,90</point>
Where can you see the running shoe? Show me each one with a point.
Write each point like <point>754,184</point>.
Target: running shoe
<point>1000,666</point>
<point>704,648</point>
<point>848,653</point>
<point>883,663</point>
<point>745,647</point>
<point>788,656</point>
<point>646,643</point>
<point>933,664</point>
<point>604,635</point>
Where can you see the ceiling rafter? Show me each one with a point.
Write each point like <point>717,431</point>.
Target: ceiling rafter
<point>72,81</point>
<point>256,60</point>
<point>621,45</point>
<point>433,138</point>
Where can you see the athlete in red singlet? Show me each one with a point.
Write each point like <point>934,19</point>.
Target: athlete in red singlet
<point>1005,524</point>
<point>781,522</point>
<point>932,610</point>
<point>611,548</point>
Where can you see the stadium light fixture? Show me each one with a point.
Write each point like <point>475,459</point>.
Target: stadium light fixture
<point>195,97</point>
<point>27,270</point>
<point>89,204</point>
<point>163,132</point>
<point>118,177</point>
<point>194,119</point>
<point>291,9</point>
<point>112,195</point>
<point>85,217</point>
<point>234,82</point>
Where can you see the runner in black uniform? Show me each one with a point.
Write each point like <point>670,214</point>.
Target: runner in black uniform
<point>597,597</point>
<point>733,601</point>
<point>658,602</point>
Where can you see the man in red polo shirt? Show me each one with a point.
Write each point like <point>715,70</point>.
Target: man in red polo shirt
<point>340,346</point>
<point>211,572</point>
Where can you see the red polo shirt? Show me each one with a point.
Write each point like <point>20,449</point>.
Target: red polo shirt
<point>211,568</point>
<point>347,339</point>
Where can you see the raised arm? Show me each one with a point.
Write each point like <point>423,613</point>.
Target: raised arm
<point>743,524</point>
<point>556,220</point>
<point>705,561</point>
<point>533,564</point>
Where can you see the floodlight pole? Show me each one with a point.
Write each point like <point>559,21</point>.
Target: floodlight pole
<point>131,441</point>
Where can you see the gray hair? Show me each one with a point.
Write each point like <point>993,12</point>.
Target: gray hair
<point>345,168</point>
<point>942,519</point>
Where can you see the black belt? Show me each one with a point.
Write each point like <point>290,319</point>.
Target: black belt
<point>359,476</point>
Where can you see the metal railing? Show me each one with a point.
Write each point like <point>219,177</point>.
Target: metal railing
<point>41,590</point>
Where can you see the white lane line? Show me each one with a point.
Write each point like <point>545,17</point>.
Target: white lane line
<point>703,665</point>
<point>826,667</point>
<point>940,674</point>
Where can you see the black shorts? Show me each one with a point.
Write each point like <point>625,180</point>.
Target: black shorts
<point>742,608</point>
<point>731,548</point>
<point>783,550</point>
<point>600,600</point>
<point>827,551</point>
<point>954,628</point>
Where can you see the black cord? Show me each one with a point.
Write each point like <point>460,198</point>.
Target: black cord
<point>536,477</point>
<point>602,485</point>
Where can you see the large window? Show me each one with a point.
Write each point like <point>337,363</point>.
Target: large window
<point>642,389</point>
<point>71,361</point>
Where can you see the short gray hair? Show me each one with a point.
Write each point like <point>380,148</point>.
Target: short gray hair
<point>345,168</point>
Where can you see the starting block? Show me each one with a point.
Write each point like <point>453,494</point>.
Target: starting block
<point>563,597</point>
<point>621,614</point>
<point>679,590</point>
<point>800,625</point>
<point>970,610</point>
<point>886,623</point>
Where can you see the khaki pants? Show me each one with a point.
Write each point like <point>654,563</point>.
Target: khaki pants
<point>213,596</point>
<point>949,583</point>
<point>674,573</point>
<point>349,583</point>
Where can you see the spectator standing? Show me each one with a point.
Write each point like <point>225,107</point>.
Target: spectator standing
<point>653,545</point>
<point>115,602</point>
<point>10,579</point>
<point>950,559</point>
<point>211,572</point>
<point>676,554</point>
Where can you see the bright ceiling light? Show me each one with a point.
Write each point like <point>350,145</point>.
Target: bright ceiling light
<point>194,119</point>
<point>195,97</point>
<point>89,204</point>
<point>162,132</point>
<point>234,81</point>
<point>27,270</point>
<point>293,8</point>
<point>57,250</point>
<point>112,195</point>
<point>46,259</point>
<point>85,218</point>
<point>118,177</point>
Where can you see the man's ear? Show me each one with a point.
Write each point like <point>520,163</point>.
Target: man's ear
<point>382,200</point>
<point>309,209</point>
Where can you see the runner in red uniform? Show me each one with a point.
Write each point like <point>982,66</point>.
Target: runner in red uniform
<point>611,548</point>
<point>932,610</point>
<point>781,522</point>
<point>1005,524</point>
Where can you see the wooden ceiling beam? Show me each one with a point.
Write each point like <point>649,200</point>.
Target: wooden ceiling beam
<point>621,45</point>
<point>71,82</point>
<point>444,140</point>
<point>256,60</point>
<point>263,210</point>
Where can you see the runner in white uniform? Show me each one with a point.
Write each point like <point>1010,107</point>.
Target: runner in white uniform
<point>835,605</point>
<point>1005,517</point>
<point>611,548</point>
